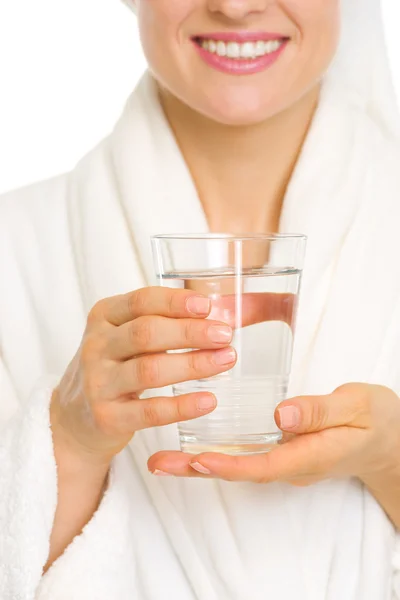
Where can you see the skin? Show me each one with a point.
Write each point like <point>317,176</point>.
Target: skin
<point>241,137</point>
<point>353,432</point>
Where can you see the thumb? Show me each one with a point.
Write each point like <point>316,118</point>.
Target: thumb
<point>308,414</point>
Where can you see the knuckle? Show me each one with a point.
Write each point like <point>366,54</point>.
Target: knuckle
<point>235,467</point>
<point>358,399</point>
<point>194,363</point>
<point>101,415</point>
<point>191,332</point>
<point>104,418</point>
<point>318,416</point>
<point>180,412</point>
<point>142,333</point>
<point>265,475</point>
<point>91,348</point>
<point>96,382</point>
<point>97,312</point>
<point>361,406</point>
<point>137,301</point>
<point>171,300</point>
<point>150,414</point>
<point>147,372</point>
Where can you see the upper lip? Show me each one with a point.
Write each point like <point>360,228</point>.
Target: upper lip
<point>241,36</point>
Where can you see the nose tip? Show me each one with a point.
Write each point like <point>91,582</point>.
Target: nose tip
<point>237,9</point>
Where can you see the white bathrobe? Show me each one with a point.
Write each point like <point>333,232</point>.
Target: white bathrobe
<point>70,241</point>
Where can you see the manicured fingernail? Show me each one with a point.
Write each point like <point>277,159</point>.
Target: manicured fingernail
<point>225,356</point>
<point>198,305</point>
<point>220,334</point>
<point>161,473</point>
<point>289,417</point>
<point>200,469</point>
<point>206,402</point>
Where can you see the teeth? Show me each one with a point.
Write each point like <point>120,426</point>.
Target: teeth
<point>233,50</point>
<point>260,48</point>
<point>245,51</point>
<point>268,47</point>
<point>221,49</point>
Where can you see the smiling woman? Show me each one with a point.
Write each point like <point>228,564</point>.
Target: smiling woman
<point>254,116</point>
<point>306,36</point>
<point>64,103</point>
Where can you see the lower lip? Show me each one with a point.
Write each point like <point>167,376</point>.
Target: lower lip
<point>234,66</point>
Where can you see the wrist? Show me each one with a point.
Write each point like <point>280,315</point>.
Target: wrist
<point>385,488</point>
<point>385,467</point>
<point>380,478</point>
<point>71,456</point>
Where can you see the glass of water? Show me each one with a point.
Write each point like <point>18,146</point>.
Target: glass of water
<point>253,282</point>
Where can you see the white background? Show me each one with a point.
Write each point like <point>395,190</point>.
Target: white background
<point>66,70</point>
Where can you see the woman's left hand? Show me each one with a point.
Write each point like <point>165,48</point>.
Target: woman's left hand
<point>354,432</point>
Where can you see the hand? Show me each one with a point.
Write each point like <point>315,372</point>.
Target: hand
<point>353,432</point>
<point>96,408</point>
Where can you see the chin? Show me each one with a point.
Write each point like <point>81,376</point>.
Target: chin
<point>238,111</point>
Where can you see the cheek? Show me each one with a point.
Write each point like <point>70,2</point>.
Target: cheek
<point>318,33</point>
<point>160,26</point>
<point>167,14</point>
<point>317,22</point>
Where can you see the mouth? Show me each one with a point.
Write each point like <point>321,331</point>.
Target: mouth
<point>235,47</point>
<point>240,53</point>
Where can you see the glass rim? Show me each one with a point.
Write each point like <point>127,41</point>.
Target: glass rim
<point>231,237</point>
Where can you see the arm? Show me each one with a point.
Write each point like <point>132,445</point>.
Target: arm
<point>385,487</point>
<point>94,412</point>
<point>81,485</point>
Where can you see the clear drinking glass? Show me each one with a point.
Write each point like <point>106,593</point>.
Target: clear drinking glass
<point>253,282</point>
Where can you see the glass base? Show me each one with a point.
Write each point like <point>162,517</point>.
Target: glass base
<point>247,444</point>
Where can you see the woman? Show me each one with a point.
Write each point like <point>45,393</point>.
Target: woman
<point>255,117</point>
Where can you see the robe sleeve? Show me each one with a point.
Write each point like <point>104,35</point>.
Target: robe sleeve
<point>28,487</point>
<point>94,565</point>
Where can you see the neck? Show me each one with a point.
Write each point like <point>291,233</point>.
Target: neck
<point>241,173</point>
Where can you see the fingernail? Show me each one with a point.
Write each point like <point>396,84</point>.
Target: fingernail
<point>161,473</point>
<point>289,417</point>
<point>206,402</point>
<point>200,469</point>
<point>225,356</point>
<point>198,305</point>
<point>220,334</point>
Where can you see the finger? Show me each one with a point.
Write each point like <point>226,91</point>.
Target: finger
<point>309,457</point>
<point>289,461</point>
<point>255,308</point>
<point>127,417</point>
<point>172,463</point>
<point>160,370</point>
<point>231,468</point>
<point>308,414</point>
<point>161,301</point>
<point>158,334</point>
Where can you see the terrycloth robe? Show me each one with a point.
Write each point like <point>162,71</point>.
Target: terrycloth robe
<point>70,241</point>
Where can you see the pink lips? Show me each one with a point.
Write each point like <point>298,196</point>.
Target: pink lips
<point>234,66</point>
<point>241,36</point>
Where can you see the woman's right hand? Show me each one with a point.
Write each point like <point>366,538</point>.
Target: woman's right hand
<point>96,409</point>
